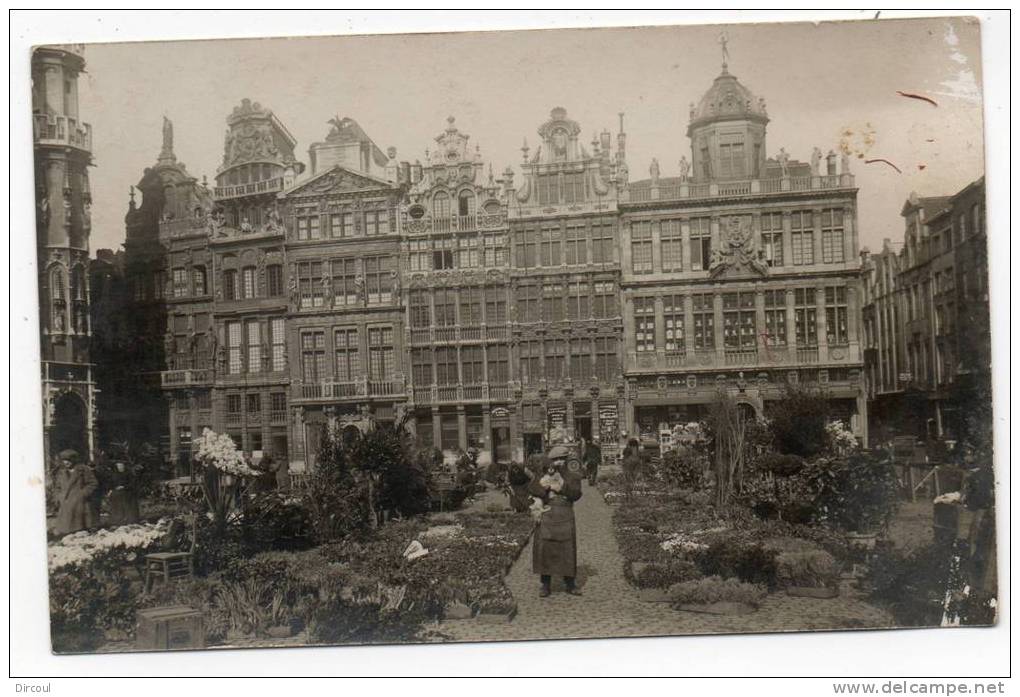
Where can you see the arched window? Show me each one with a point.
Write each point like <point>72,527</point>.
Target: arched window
<point>58,300</point>
<point>77,283</point>
<point>466,203</point>
<point>441,205</point>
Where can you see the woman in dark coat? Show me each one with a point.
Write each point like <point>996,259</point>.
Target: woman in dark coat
<point>76,483</point>
<point>123,497</point>
<point>554,546</point>
<point>519,479</point>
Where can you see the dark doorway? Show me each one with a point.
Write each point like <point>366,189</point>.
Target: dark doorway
<point>582,427</point>
<point>69,428</point>
<point>501,443</point>
<point>532,443</point>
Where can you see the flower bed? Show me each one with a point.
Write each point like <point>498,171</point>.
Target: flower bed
<point>82,547</point>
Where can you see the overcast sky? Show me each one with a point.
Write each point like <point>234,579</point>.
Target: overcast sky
<point>818,81</point>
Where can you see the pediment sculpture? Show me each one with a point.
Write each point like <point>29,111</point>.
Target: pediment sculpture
<point>737,251</point>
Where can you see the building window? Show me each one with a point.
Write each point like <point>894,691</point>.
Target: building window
<point>470,307</point>
<point>975,215</point>
<point>673,319</point>
<point>731,160</point>
<point>446,366</point>
<point>465,204</point>
<point>531,362</point>
<point>496,251</point>
<point>379,279</point>
<point>198,280</point>
<point>772,238</point>
<point>472,366</point>
<point>573,187</point>
<point>234,406</point>
<point>421,367</point>
<point>580,360</point>
<point>529,303</point>
<point>442,253</point>
<point>802,238</point>
<point>419,255</point>
<point>607,364</point>
<point>449,431</point>
<point>310,283</point>
<point>701,243</point>
<point>605,299</point>
<point>345,347</point>
<point>441,205</point>
<point>344,281</point>
<point>805,316</point>
<point>274,280</point>
<point>526,248</point>
<point>832,236</point>
<point>672,245</point>
<point>552,302</point>
<point>555,360</point>
<point>775,318</point>
<point>254,347</point>
<point>498,356</point>
<point>180,286</point>
<point>704,321</point>
<point>961,227</point>
<point>308,227</point>
<point>254,400</point>
<point>550,249</point>
<point>641,247</point>
<point>377,222</point>
<point>602,243</point>
<point>467,252</point>
<point>495,306</point>
<point>548,189</point>
<point>706,163</point>
<point>445,307</point>
<point>277,328</point>
<point>203,400</point>
<point>159,285</point>
<point>578,301</point>
<point>234,357</point>
<point>248,286</point>
<point>313,357</point>
<point>278,406</point>
<point>738,321</point>
<point>644,324</point>
<point>577,245</point>
<point>381,358</point>
<point>836,315</point>
<point>418,308</point>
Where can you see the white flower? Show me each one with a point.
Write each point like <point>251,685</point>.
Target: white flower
<point>81,547</point>
<point>218,450</point>
<point>950,497</point>
<point>681,543</point>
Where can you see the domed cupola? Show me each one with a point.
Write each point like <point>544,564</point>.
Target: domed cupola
<point>727,132</point>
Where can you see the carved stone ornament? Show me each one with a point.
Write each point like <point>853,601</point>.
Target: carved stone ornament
<point>737,251</point>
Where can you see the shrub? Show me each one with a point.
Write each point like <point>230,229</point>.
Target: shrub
<point>746,561</point>
<point>858,493</point>
<point>273,520</point>
<point>665,575</point>
<point>809,568</point>
<point>682,468</point>
<point>798,422</point>
<point>716,590</point>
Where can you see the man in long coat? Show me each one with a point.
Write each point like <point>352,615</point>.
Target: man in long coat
<point>76,483</point>
<point>554,546</point>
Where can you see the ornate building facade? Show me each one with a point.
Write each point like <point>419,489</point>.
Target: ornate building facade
<point>926,321</point>
<point>63,153</point>
<point>741,274</point>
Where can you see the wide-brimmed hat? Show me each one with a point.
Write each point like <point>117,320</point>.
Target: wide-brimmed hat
<point>558,452</point>
<point>70,455</point>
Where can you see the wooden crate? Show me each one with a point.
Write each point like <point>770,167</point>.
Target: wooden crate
<point>169,628</point>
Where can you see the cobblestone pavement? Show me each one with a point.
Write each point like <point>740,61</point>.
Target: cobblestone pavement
<point>610,607</point>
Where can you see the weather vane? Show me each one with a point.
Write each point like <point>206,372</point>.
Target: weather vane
<point>724,39</point>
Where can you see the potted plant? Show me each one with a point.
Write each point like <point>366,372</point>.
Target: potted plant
<point>808,573</point>
<point>224,469</point>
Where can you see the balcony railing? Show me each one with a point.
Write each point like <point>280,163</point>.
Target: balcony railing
<point>456,223</point>
<point>61,130</point>
<point>435,335</point>
<point>457,394</point>
<point>759,357</point>
<point>745,187</point>
<point>187,377</point>
<point>277,417</point>
<point>65,372</point>
<point>266,186</point>
<point>331,389</point>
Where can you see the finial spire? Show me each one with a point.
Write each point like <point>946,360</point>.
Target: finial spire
<point>166,154</point>
<point>724,39</point>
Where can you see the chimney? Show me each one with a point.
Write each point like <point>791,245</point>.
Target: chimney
<point>416,172</point>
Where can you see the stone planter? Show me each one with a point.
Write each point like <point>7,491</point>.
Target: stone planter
<point>720,608</point>
<point>823,592</point>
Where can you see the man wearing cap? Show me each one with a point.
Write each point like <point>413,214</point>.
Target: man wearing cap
<point>554,546</point>
<point>75,484</point>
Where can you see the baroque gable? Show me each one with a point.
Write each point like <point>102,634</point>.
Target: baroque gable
<point>338,181</point>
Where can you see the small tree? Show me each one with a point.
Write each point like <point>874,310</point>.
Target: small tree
<point>798,422</point>
<point>728,426</point>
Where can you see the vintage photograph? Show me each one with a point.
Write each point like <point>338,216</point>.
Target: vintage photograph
<point>514,335</point>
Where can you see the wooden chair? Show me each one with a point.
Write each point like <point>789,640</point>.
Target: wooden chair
<point>170,565</point>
